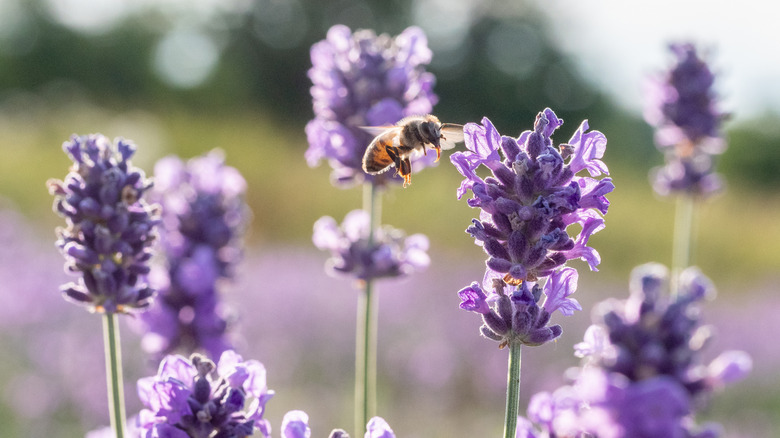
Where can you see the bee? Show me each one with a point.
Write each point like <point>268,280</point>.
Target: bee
<point>396,144</point>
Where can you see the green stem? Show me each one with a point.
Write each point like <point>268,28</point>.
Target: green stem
<point>116,397</point>
<point>366,330</point>
<point>683,239</point>
<point>512,390</point>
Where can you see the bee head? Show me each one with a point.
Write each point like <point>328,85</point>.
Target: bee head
<point>431,132</point>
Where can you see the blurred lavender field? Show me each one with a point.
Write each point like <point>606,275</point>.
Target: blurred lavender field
<point>437,376</point>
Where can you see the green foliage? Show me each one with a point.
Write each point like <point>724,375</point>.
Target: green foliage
<point>753,157</point>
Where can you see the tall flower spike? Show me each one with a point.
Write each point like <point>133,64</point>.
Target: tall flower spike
<point>197,399</point>
<point>533,196</point>
<point>364,79</point>
<point>110,228</point>
<point>203,221</point>
<point>682,106</point>
<point>642,374</point>
<point>391,254</point>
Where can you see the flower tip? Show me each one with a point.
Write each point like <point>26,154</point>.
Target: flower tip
<point>377,427</point>
<point>295,424</point>
<point>731,366</point>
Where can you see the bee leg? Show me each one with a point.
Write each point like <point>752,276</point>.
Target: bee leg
<point>405,170</point>
<point>394,155</point>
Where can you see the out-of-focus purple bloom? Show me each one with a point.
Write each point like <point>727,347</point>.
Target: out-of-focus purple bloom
<point>682,106</point>
<point>653,407</point>
<point>110,229</point>
<point>642,375</point>
<point>204,216</point>
<point>196,398</point>
<point>377,427</point>
<point>515,312</point>
<point>533,196</point>
<point>694,175</point>
<point>595,344</point>
<point>364,79</point>
<point>295,424</point>
<point>654,335</point>
<point>391,254</point>
<point>681,102</point>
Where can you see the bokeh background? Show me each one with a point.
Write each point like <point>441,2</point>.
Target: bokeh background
<point>184,77</point>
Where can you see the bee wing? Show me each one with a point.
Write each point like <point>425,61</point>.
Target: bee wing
<point>377,130</point>
<point>453,133</point>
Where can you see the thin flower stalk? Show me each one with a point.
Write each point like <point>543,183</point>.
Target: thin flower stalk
<point>367,323</point>
<point>115,381</point>
<point>512,389</point>
<point>683,238</point>
<point>106,243</point>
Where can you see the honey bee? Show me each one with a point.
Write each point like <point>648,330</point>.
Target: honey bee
<point>396,144</point>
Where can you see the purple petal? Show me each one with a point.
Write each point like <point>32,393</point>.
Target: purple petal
<point>731,366</point>
<point>377,427</point>
<point>327,235</point>
<point>474,299</point>
<point>557,288</point>
<point>295,424</point>
<point>177,367</point>
<point>589,148</point>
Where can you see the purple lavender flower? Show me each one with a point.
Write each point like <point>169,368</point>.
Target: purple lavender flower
<point>682,105</point>
<point>653,407</point>
<point>196,398</point>
<point>361,79</point>
<point>526,207</point>
<point>533,196</point>
<point>653,335</point>
<point>513,312</point>
<point>642,375</point>
<point>695,175</point>
<point>391,254</point>
<point>110,229</point>
<point>204,216</point>
<point>682,102</point>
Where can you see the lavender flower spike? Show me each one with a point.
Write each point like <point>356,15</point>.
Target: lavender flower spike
<point>203,222</point>
<point>533,196</point>
<point>197,399</point>
<point>682,105</point>
<point>641,374</point>
<point>364,79</point>
<point>110,228</point>
<point>391,254</point>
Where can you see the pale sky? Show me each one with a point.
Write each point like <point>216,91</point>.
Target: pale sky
<point>615,43</point>
<point>618,43</point>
